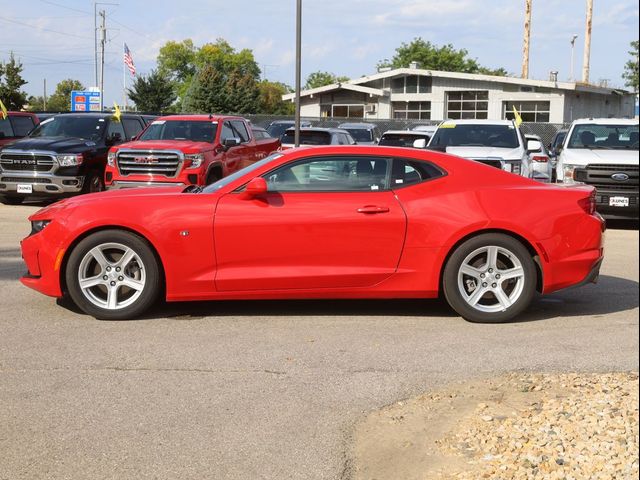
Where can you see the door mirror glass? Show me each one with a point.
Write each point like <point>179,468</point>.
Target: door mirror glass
<point>256,187</point>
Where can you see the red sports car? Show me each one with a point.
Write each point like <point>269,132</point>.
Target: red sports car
<point>325,222</point>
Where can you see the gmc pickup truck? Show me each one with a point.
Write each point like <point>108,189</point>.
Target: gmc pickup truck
<point>603,152</point>
<point>16,125</point>
<point>64,155</point>
<point>186,150</point>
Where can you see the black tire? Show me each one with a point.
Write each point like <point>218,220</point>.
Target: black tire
<point>11,200</point>
<point>212,177</point>
<point>135,282</point>
<point>93,182</point>
<point>490,291</point>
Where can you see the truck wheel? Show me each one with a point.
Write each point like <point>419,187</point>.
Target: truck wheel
<point>113,275</point>
<point>93,183</point>
<point>212,177</point>
<point>12,200</point>
<point>490,278</point>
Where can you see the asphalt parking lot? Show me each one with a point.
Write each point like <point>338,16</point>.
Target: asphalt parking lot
<point>263,390</point>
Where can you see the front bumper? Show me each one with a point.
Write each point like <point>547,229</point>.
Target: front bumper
<point>40,184</point>
<point>119,184</point>
<point>43,259</point>
<point>605,198</point>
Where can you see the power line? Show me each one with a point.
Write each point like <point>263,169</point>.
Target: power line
<point>65,6</point>
<point>42,29</point>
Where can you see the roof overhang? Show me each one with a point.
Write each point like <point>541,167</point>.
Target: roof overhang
<point>372,92</point>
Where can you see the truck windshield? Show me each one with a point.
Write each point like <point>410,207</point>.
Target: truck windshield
<point>609,137</point>
<point>76,126</point>
<point>308,137</point>
<point>192,130</point>
<point>478,135</point>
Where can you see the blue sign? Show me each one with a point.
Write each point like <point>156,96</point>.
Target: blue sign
<point>85,101</point>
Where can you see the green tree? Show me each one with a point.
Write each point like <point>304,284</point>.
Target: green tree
<point>176,60</point>
<point>270,99</point>
<point>630,74</point>
<point>242,93</point>
<point>11,82</point>
<point>152,93</point>
<point>60,100</point>
<point>320,79</point>
<point>445,58</point>
<point>206,92</point>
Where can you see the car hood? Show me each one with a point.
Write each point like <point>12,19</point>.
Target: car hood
<point>186,146</point>
<point>486,152</point>
<point>54,144</point>
<point>583,156</point>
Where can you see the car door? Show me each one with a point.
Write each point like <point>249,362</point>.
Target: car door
<point>326,222</point>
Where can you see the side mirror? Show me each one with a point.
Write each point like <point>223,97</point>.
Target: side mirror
<point>420,143</point>
<point>256,187</point>
<point>534,145</point>
<point>231,142</point>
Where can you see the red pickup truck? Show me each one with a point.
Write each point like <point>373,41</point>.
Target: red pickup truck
<point>186,150</point>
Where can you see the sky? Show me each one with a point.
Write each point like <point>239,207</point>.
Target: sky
<point>54,39</point>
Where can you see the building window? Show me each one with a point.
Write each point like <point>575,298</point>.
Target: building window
<point>347,111</point>
<point>412,110</point>
<point>411,84</point>
<point>467,105</point>
<point>529,111</point>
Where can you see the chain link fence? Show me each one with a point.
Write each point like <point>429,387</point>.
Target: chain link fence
<point>545,131</point>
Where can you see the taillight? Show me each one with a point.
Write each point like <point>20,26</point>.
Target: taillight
<point>588,204</point>
<point>540,158</point>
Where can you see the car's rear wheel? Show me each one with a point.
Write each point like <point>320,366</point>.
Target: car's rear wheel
<point>490,278</point>
<point>113,275</point>
<point>94,182</point>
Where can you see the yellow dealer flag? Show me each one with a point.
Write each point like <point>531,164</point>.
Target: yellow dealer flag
<point>517,116</point>
<point>3,111</point>
<point>116,113</point>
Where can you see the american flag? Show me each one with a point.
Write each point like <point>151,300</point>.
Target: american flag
<point>128,61</point>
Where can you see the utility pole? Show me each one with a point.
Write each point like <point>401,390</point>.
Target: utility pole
<point>44,97</point>
<point>527,37</point>
<point>587,43</point>
<point>298,69</point>
<point>95,42</point>
<point>103,41</point>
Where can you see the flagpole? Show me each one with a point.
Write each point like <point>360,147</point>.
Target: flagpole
<point>124,81</point>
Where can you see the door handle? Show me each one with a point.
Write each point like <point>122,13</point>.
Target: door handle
<point>373,209</point>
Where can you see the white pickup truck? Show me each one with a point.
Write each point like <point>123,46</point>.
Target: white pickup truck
<point>498,143</point>
<point>603,152</point>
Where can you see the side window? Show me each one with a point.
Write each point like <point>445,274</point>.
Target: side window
<point>227,132</point>
<point>116,128</point>
<point>133,126</point>
<point>5,128</point>
<point>22,125</point>
<point>331,174</point>
<point>410,172</point>
<point>241,130</point>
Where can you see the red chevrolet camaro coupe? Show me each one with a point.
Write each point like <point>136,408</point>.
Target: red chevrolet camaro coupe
<point>324,222</point>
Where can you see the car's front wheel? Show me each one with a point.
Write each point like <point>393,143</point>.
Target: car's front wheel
<point>113,275</point>
<point>490,278</point>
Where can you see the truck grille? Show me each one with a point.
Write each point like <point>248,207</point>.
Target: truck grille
<point>601,177</point>
<point>149,162</point>
<point>26,162</point>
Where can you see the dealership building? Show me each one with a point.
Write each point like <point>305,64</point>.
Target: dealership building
<point>413,93</point>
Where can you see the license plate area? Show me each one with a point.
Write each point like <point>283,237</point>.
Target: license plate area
<point>24,188</point>
<point>618,201</point>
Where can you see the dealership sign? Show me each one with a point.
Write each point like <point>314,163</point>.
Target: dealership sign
<point>85,101</point>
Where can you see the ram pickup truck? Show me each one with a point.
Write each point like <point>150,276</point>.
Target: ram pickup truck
<point>16,125</point>
<point>64,155</point>
<point>186,150</point>
<point>498,143</point>
<point>603,152</point>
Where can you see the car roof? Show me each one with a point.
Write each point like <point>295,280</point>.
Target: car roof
<point>416,133</point>
<point>199,118</point>
<point>97,114</point>
<point>607,121</point>
<point>479,122</point>
<point>358,125</point>
<point>320,129</point>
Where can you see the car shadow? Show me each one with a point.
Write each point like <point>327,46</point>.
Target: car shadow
<point>11,265</point>
<point>623,224</point>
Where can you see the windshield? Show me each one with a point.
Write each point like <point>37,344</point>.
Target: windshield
<point>478,135</point>
<point>192,130</point>
<point>214,187</point>
<point>309,137</point>
<point>361,134</point>
<point>609,137</point>
<point>77,126</point>
<point>400,139</point>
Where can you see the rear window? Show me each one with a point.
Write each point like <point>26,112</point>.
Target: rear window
<point>400,139</point>
<point>308,138</point>
<point>478,135</point>
<point>360,134</point>
<point>21,125</point>
<point>6,130</point>
<point>194,131</point>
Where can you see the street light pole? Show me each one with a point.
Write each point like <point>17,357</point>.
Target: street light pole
<point>573,44</point>
<point>298,69</point>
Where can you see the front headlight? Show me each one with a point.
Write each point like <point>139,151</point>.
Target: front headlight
<point>69,160</point>
<point>195,158</point>
<point>111,159</point>
<point>38,225</point>
<point>568,171</point>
